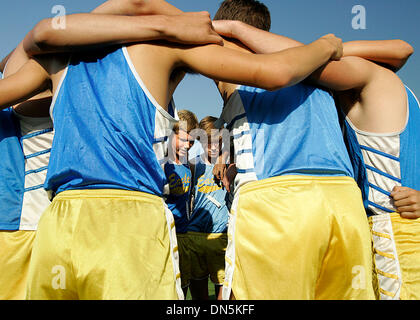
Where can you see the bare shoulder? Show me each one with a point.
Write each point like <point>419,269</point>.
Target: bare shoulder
<point>16,60</point>
<point>155,63</point>
<point>149,50</point>
<point>382,106</point>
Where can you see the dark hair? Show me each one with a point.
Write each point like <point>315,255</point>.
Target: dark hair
<point>251,12</point>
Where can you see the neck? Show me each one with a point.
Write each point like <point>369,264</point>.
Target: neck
<point>176,159</point>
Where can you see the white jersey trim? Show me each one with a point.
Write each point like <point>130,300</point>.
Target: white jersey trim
<point>146,91</point>
<point>57,91</point>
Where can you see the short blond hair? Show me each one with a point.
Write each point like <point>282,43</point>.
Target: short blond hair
<point>187,121</point>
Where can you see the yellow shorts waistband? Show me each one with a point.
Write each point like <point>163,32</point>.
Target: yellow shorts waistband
<point>295,180</point>
<point>106,193</point>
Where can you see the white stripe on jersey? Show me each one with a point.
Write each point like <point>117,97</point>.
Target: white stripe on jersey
<point>37,137</point>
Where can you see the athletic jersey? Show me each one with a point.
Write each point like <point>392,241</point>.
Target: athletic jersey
<point>179,182</point>
<point>294,130</point>
<point>382,161</point>
<point>12,171</point>
<point>37,136</point>
<point>210,212</point>
<point>110,133</point>
<point>25,144</point>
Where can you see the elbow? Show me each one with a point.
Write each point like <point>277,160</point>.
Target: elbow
<point>275,85</point>
<point>409,50</point>
<point>38,37</point>
<point>405,49</point>
<point>42,32</point>
<point>141,7</point>
<point>138,2</point>
<point>276,80</point>
<point>402,54</point>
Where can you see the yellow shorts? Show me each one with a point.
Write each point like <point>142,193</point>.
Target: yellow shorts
<point>396,248</point>
<point>105,245</point>
<point>208,256</point>
<point>299,237</point>
<point>15,254</point>
<point>184,259</point>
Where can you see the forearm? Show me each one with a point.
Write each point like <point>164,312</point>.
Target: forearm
<point>88,31</point>
<point>257,40</point>
<point>393,53</point>
<point>93,30</point>
<point>44,39</point>
<point>137,8</point>
<point>302,61</point>
<point>348,73</point>
<point>293,65</point>
<point>267,71</point>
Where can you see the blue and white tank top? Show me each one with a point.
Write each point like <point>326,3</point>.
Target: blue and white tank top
<point>294,130</point>
<point>383,161</point>
<point>179,183</point>
<point>37,136</point>
<point>12,171</point>
<point>109,130</point>
<point>210,212</point>
<point>25,144</point>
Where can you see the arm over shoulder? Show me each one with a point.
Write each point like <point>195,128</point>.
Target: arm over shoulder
<point>30,80</point>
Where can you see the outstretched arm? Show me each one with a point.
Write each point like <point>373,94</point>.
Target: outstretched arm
<point>351,72</point>
<point>393,53</point>
<point>93,30</point>
<point>267,71</point>
<point>113,7</point>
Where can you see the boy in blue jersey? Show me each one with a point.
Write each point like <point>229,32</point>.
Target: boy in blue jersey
<point>30,131</point>
<point>381,128</point>
<point>382,139</point>
<point>28,141</point>
<point>102,157</point>
<point>178,174</point>
<point>209,219</point>
<point>294,179</point>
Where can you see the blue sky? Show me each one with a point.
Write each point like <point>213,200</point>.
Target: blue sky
<point>304,20</point>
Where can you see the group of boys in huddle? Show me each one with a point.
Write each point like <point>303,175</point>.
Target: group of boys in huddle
<point>99,199</point>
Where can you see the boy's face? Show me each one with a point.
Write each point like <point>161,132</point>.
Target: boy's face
<point>212,146</point>
<point>181,143</point>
